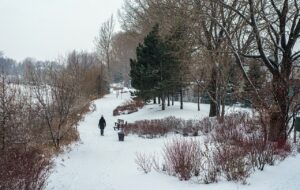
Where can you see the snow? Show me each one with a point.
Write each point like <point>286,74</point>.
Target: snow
<point>104,163</point>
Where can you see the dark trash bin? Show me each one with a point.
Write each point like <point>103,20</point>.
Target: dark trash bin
<point>297,124</point>
<point>121,136</point>
<point>195,133</point>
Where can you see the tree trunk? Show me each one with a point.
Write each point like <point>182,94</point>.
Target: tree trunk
<point>154,100</point>
<point>213,111</point>
<point>100,81</point>
<point>168,100</point>
<point>57,143</point>
<point>279,112</point>
<point>3,137</point>
<point>181,99</point>
<point>163,102</point>
<point>173,99</point>
<point>159,100</point>
<point>223,108</point>
<point>295,131</point>
<point>198,94</point>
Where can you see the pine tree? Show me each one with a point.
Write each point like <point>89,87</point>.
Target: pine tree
<point>178,54</point>
<point>153,73</point>
<point>145,70</point>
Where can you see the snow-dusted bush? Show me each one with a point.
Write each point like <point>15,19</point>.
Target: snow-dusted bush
<point>240,147</point>
<point>21,170</point>
<point>144,162</point>
<point>232,162</point>
<point>209,169</point>
<point>160,127</point>
<point>149,128</point>
<point>182,158</point>
<point>128,107</point>
<point>232,151</point>
<point>205,125</point>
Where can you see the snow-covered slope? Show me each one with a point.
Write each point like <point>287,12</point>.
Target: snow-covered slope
<point>103,163</point>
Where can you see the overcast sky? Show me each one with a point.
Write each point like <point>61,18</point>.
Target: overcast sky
<point>47,29</point>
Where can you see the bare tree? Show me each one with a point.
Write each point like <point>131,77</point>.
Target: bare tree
<point>56,99</point>
<point>89,71</point>
<point>135,16</point>
<point>123,48</point>
<point>104,41</point>
<point>15,126</point>
<point>200,74</point>
<point>7,109</point>
<point>274,29</point>
<point>212,40</point>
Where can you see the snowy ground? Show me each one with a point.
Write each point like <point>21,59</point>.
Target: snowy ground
<point>104,163</point>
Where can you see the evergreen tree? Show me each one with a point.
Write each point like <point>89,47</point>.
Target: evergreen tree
<point>153,73</point>
<point>178,55</point>
<point>145,70</point>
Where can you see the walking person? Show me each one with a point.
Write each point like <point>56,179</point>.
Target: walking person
<point>102,125</point>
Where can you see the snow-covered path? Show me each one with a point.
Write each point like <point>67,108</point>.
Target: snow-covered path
<point>103,163</point>
<point>98,162</point>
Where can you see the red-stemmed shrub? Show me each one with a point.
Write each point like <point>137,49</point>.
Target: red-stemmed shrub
<point>147,128</point>
<point>182,158</point>
<point>241,145</point>
<point>205,125</point>
<point>160,127</point>
<point>232,150</point>
<point>144,162</point>
<point>23,170</point>
<point>128,107</point>
<point>232,162</point>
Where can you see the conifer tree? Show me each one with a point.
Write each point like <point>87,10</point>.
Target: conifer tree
<point>145,70</point>
<point>155,71</point>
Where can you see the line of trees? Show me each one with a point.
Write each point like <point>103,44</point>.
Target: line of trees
<point>222,41</point>
<point>47,97</point>
<point>40,105</point>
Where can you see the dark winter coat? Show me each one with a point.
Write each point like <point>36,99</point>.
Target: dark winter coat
<point>102,123</point>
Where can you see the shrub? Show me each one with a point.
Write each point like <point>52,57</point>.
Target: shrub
<point>144,162</point>
<point>209,168</point>
<point>23,170</point>
<point>237,147</point>
<point>150,128</point>
<point>128,107</point>
<point>153,128</point>
<point>182,158</point>
<point>160,127</point>
<point>205,125</point>
<point>240,144</point>
<point>232,161</point>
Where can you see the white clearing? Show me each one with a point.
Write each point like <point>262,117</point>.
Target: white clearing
<point>103,163</point>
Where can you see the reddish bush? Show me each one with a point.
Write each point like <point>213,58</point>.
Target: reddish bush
<point>23,170</point>
<point>128,107</point>
<point>260,152</point>
<point>147,128</point>
<point>232,162</point>
<point>205,125</point>
<point>241,145</point>
<point>237,146</point>
<point>144,162</point>
<point>160,127</point>
<point>182,158</point>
